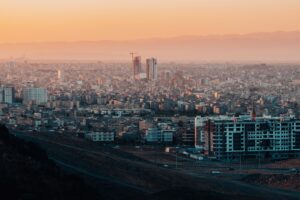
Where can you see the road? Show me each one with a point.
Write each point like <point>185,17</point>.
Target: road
<point>114,168</point>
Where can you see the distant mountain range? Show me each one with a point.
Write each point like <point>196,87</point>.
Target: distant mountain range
<point>272,46</point>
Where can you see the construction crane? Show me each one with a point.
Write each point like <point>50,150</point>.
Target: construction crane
<point>132,55</point>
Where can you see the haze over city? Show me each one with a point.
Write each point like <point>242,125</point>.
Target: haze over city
<point>150,99</point>
<point>191,30</point>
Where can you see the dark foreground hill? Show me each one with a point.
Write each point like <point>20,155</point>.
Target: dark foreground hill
<point>186,193</point>
<point>26,173</point>
<point>289,181</point>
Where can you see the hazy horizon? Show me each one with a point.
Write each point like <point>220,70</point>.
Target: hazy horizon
<point>171,30</point>
<point>262,46</point>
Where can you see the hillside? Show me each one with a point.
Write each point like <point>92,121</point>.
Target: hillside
<point>27,173</point>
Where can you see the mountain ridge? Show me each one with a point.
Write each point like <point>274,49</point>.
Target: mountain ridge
<point>278,45</point>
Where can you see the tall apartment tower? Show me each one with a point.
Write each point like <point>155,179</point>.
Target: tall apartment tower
<point>151,68</point>
<point>7,95</point>
<point>137,67</point>
<point>36,95</point>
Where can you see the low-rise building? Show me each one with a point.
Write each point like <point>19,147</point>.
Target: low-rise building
<point>158,135</point>
<point>101,136</point>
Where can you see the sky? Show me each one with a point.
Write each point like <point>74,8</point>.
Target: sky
<point>89,20</point>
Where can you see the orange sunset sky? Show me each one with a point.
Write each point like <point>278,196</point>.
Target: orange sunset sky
<point>77,20</point>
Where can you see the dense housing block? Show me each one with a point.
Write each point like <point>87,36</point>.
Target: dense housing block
<point>262,137</point>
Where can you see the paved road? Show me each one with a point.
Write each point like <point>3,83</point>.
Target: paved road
<point>213,182</point>
<point>95,175</point>
<point>101,181</point>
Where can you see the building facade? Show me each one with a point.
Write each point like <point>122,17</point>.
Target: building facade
<point>101,136</point>
<point>227,137</point>
<point>137,67</point>
<point>155,135</point>
<point>151,69</point>
<point>7,95</point>
<point>35,95</point>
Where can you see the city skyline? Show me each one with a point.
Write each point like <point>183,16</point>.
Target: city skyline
<point>150,99</point>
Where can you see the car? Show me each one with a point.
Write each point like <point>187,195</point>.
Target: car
<point>215,172</point>
<point>294,170</point>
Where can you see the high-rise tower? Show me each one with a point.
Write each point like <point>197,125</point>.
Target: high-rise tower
<point>137,67</point>
<point>151,68</point>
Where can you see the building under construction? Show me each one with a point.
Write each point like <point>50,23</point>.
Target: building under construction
<point>137,67</point>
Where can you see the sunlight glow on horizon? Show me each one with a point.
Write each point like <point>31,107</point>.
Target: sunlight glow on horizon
<point>77,20</point>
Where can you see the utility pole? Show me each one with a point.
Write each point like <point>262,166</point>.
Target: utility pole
<point>240,162</point>
<point>176,159</point>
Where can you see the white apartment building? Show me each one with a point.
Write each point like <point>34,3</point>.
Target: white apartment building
<point>233,137</point>
<point>101,136</point>
<point>35,95</point>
